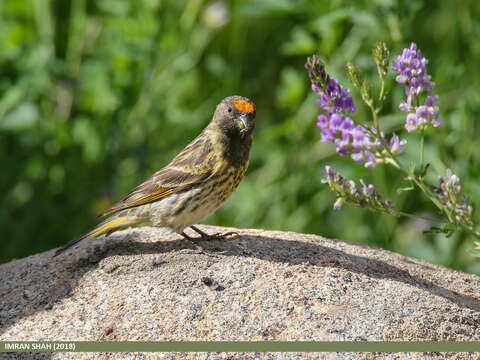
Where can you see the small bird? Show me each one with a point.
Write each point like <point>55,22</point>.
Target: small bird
<point>195,183</point>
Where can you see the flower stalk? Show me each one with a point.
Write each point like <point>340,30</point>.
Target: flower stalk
<point>368,145</point>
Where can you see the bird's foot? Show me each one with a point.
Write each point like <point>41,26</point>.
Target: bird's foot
<point>216,236</point>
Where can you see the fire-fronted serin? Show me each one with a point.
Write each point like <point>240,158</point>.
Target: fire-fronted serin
<point>195,183</point>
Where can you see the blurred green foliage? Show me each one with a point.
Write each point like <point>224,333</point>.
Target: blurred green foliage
<point>96,95</point>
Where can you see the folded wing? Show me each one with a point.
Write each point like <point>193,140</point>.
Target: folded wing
<point>189,168</point>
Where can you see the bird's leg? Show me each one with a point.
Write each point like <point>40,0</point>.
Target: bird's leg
<point>187,237</point>
<point>216,235</point>
<point>192,241</point>
<point>200,232</point>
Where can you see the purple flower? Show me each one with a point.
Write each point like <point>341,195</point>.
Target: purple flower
<point>412,73</point>
<point>431,100</point>
<point>450,183</point>
<point>355,140</point>
<point>322,121</point>
<point>422,114</point>
<point>330,173</point>
<point>397,145</point>
<point>367,190</point>
<point>412,122</point>
<point>337,127</point>
<point>346,191</point>
<point>448,194</point>
<point>335,99</point>
<point>371,159</point>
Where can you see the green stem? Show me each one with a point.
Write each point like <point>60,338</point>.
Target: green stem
<point>382,90</point>
<point>397,213</point>
<point>415,216</point>
<point>422,144</point>
<point>471,231</point>
<point>392,160</point>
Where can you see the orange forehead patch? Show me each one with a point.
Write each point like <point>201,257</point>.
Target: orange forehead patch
<point>243,105</point>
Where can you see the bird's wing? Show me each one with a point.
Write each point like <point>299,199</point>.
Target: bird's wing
<point>190,167</point>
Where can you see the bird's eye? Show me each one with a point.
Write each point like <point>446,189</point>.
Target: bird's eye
<point>230,110</point>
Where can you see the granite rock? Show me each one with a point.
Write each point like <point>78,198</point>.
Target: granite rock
<point>254,285</point>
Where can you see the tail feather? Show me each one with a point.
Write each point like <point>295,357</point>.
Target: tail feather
<point>108,226</point>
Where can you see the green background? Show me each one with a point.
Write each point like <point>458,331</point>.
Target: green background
<point>96,95</point>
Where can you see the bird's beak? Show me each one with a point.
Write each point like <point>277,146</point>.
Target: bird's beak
<point>242,123</point>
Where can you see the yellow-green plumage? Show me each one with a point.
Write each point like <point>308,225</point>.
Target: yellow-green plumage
<point>196,182</point>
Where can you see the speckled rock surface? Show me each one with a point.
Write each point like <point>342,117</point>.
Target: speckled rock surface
<point>256,285</point>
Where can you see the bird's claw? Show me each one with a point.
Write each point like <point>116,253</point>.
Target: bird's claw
<point>230,233</point>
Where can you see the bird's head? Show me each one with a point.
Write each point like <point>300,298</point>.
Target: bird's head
<point>235,115</point>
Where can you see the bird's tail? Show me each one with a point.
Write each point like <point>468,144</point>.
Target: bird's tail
<point>107,226</point>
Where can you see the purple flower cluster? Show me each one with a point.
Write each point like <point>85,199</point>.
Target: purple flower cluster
<point>337,127</point>
<point>412,73</point>
<point>349,139</point>
<point>448,193</point>
<point>335,99</point>
<point>347,191</point>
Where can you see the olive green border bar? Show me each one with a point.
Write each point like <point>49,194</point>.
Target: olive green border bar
<point>238,346</point>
